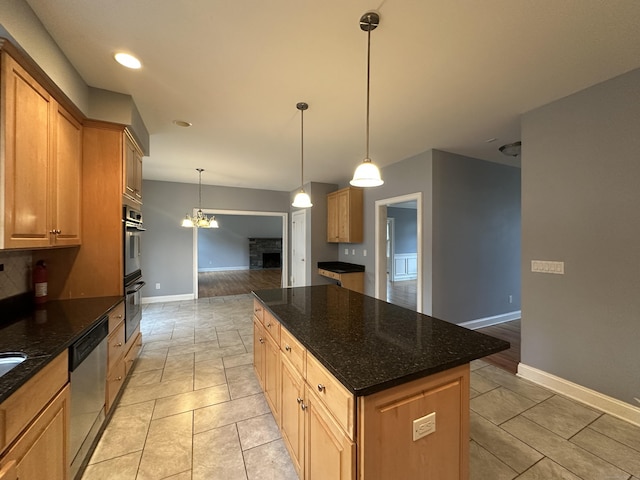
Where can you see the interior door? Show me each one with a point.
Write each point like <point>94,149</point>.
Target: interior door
<point>298,246</point>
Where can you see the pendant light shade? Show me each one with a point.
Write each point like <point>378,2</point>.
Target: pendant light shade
<point>302,199</point>
<point>368,174</point>
<point>200,220</point>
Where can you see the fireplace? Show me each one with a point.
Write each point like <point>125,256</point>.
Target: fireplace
<point>265,253</point>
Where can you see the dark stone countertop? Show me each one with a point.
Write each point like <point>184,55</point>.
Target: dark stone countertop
<point>44,333</point>
<point>370,345</point>
<point>341,267</point>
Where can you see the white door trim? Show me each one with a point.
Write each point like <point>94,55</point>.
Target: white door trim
<point>380,244</point>
<point>285,240</point>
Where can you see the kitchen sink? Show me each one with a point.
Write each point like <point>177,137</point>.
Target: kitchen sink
<point>10,360</point>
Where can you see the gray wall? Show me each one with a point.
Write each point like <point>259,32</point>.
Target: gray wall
<point>408,176</point>
<point>406,229</point>
<point>167,256</point>
<point>581,205</point>
<point>228,246</point>
<point>476,238</point>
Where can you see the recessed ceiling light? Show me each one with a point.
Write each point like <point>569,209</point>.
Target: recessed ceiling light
<point>127,60</point>
<point>182,123</point>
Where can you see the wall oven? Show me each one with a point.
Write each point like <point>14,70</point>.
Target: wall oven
<point>132,240</point>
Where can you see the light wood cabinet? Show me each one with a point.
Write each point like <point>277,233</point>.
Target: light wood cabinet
<point>132,171</point>
<point>291,414</point>
<point>42,144</point>
<point>266,352</point>
<point>352,280</point>
<point>132,347</point>
<point>259,351</point>
<point>34,426</point>
<point>345,216</point>
<point>116,348</point>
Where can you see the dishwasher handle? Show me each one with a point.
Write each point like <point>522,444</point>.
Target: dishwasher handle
<point>136,286</point>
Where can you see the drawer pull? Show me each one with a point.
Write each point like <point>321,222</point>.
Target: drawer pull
<point>287,348</point>
<point>119,378</point>
<point>321,388</point>
<point>261,340</point>
<point>119,344</point>
<point>268,325</point>
<point>303,406</point>
<point>299,400</point>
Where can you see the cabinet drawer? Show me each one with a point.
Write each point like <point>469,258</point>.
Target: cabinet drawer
<point>115,380</point>
<point>338,400</point>
<point>133,353</point>
<point>293,350</point>
<point>272,326</point>
<point>116,316</point>
<point>258,310</point>
<point>116,345</point>
<point>328,274</point>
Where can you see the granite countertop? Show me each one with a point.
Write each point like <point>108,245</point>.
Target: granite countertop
<point>44,333</point>
<point>370,345</point>
<point>341,267</point>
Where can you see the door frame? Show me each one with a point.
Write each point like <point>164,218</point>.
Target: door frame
<point>249,213</point>
<point>294,217</point>
<point>381,241</point>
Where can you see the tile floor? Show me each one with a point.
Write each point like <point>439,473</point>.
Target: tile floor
<point>193,409</point>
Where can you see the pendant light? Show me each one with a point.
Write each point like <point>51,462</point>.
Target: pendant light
<point>302,199</point>
<point>367,174</point>
<point>200,220</point>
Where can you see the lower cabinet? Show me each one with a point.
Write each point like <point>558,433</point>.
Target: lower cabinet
<point>292,413</point>
<point>34,426</point>
<point>258,350</point>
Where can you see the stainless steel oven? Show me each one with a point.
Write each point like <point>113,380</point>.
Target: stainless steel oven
<point>133,283</point>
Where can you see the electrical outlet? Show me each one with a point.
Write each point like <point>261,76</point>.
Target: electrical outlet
<point>424,426</point>
<point>364,252</point>
<point>157,286</point>
<point>353,251</point>
<point>510,298</point>
<point>346,251</point>
<point>545,266</point>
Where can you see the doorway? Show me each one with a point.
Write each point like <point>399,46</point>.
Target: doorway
<point>244,273</point>
<point>398,250</point>
<point>298,249</point>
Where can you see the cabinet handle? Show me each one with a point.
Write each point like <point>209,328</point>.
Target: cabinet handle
<point>299,400</point>
<point>268,325</point>
<point>118,316</point>
<point>321,387</point>
<point>119,344</point>
<point>303,406</point>
<point>261,340</point>
<point>119,378</point>
<point>287,348</point>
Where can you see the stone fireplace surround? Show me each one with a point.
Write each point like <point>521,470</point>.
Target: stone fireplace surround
<point>260,246</point>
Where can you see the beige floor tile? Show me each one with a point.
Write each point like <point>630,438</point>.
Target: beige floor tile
<point>242,381</point>
<point>515,384</point>
<point>500,404</point>
<point>236,360</point>
<point>180,476</point>
<point>562,416</point>
<point>144,378</point>
<point>125,433</point>
<point>209,374</point>
<point>547,470</point>
<point>570,456</point>
<point>269,462</point>
<point>482,384</point>
<point>119,468</point>
<point>190,401</point>
<point>168,450</point>
<point>229,412</point>
<point>619,430</point>
<point>610,450</point>
<point>508,449</point>
<point>485,466</point>
<point>214,353</point>
<point>475,364</point>
<point>146,363</point>
<point>157,390</point>
<point>227,463</point>
<point>258,431</point>
<point>229,338</point>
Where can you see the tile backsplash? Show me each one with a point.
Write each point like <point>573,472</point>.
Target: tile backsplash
<point>16,275</point>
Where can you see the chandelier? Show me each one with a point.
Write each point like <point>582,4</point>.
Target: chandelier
<point>200,220</point>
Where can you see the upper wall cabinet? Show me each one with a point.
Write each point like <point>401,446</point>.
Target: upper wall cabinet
<point>132,174</point>
<point>344,216</point>
<point>42,163</point>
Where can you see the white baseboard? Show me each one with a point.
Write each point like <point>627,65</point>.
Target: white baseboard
<point>617,408</point>
<point>168,298</point>
<point>488,321</point>
<point>223,269</point>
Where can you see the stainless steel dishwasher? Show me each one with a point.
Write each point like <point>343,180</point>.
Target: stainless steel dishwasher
<point>88,367</point>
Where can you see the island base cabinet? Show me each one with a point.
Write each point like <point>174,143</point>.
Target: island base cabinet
<point>385,429</point>
<point>291,413</point>
<point>41,452</point>
<point>329,453</point>
<point>258,351</point>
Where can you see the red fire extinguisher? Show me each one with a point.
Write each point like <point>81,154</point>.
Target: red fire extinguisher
<point>40,282</point>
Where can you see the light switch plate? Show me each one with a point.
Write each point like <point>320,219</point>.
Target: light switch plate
<point>545,266</point>
<point>424,426</point>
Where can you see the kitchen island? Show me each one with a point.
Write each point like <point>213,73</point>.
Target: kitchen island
<point>365,389</point>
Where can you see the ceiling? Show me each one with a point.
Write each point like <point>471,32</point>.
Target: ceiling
<point>445,74</point>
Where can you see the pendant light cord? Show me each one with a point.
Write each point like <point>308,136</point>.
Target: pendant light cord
<point>367,159</point>
<point>200,170</point>
<point>301,149</point>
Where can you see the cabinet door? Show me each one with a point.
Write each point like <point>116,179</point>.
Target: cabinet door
<point>258,351</point>
<point>27,111</point>
<point>343,216</point>
<point>291,415</point>
<point>41,452</point>
<point>272,376</point>
<point>8,471</point>
<point>329,453</point>
<point>332,218</point>
<point>138,176</point>
<point>132,175</point>
<point>67,186</point>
